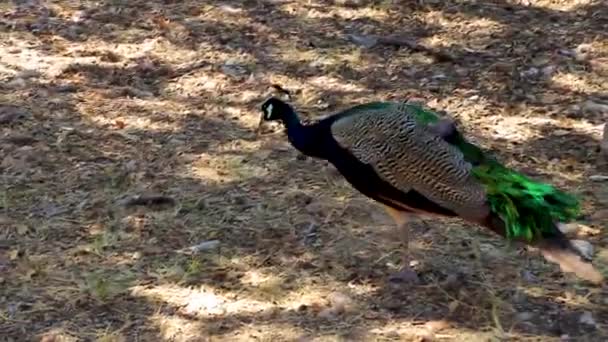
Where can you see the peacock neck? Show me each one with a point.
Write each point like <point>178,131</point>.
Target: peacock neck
<point>292,122</point>
<point>299,135</point>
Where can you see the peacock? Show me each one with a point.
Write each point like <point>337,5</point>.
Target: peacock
<point>416,163</point>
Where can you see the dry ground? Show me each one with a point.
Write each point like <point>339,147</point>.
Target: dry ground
<point>107,99</point>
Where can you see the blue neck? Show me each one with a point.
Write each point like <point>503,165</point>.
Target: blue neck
<point>292,122</point>
<point>297,133</point>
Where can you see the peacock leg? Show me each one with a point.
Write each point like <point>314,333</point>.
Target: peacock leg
<point>406,274</point>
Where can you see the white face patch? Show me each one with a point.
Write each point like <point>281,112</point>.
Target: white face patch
<point>268,111</point>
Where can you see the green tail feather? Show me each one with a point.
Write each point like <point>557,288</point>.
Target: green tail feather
<point>528,208</point>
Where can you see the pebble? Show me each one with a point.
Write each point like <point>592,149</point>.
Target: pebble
<point>340,302</point>
<point>548,70</point>
<point>233,68</point>
<point>587,318</point>
<point>584,247</point>
<point>528,276</point>
<point>594,107</point>
<point>17,83</point>
<point>365,41</point>
<point>532,72</point>
<point>524,316</point>
<point>437,325</point>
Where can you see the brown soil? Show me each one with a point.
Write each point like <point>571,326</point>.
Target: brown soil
<point>104,100</point>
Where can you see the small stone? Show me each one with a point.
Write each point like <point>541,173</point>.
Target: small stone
<point>594,107</point>
<point>365,41</point>
<point>351,3</point>
<point>519,297</point>
<point>78,16</point>
<point>20,139</point>
<point>582,51</point>
<point>315,207</point>
<point>528,276</point>
<point>66,88</point>
<point>567,228</point>
<point>453,306</point>
<point>549,98</point>
<point>598,178</point>
<point>462,71</point>
<point>232,68</point>
<point>532,72</point>
<point>567,52</point>
<point>9,114</point>
<point>561,132</point>
<point>230,9</point>
<point>491,251</point>
<point>585,248</point>
<point>502,66</point>
<point>28,73</point>
<point>435,326</point>
<point>587,318</point>
<point>17,83</point>
<point>524,316</point>
<point>201,247</point>
<point>454,281</point>
<point>548,70</point>
<point>393,335</point>
<point>601,195</point>
<point>328,313</point>
<point>340,303</point>
<point>131,166</point>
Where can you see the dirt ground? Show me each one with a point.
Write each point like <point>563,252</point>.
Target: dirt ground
<point>102,101</point>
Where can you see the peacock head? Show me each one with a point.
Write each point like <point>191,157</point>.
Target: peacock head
<point>274,109</point>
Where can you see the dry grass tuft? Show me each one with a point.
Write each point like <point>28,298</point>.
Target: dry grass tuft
<point>105,101</point>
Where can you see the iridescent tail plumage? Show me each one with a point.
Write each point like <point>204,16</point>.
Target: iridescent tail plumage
<point>523,209</point>
<point>529,209</point>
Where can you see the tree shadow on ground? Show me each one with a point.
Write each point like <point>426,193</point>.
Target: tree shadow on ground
<point>116,127</point>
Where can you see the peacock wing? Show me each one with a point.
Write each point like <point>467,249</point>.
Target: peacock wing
<point>410,156</point>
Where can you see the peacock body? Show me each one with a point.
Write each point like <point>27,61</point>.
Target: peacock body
<point>401,155</point>
<point>529,208</point>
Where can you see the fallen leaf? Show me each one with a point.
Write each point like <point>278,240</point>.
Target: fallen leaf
<point>13,254</point>
<point>453,306</point>
<point>120,124</point>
